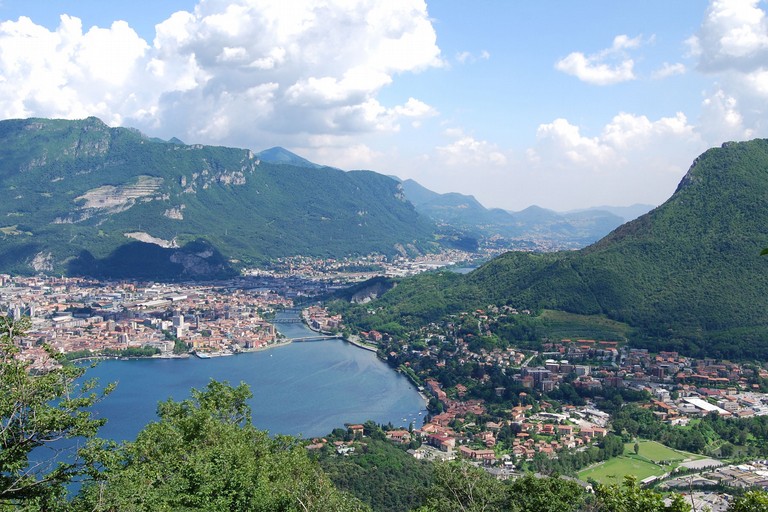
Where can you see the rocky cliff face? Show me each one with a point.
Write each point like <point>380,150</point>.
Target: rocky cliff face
<point>79,191</point>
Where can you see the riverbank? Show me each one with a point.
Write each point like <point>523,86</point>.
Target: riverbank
<point>355,340</point>
<point>268,346</point>
<point>97,357</point>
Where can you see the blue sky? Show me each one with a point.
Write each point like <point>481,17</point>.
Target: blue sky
<point>561,104</point>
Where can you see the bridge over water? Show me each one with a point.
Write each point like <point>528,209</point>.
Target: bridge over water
<point>294,312</point>
<point>317,338</point>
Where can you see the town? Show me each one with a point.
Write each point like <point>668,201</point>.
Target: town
<point>504,407</point>
<point>509,409</point>
<point>85,318</point>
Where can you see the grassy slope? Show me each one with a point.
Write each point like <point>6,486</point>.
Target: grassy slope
<point>559,324</point>
<point>613,470</point>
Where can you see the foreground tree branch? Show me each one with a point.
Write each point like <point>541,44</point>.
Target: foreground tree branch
<point>40,410</point>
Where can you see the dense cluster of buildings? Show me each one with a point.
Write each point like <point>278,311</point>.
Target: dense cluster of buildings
<point>75,315</point>
<point>680,387</point>
<point>318,319</point>
<point>79,315</point>
<point>365,267</point>
<point>542,431</point>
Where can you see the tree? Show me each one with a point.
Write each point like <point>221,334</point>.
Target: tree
<point>204,454</point>
<point>726,449</point>
<point>39,412</point>
<point>637,448</point>
<point>461,487</point>
<point>552,494</point>
<point>629,497</point>
<point>752,501</point>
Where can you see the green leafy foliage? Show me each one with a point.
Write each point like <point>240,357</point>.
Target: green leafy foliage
<point>379,474</point>
<point>204,454</point>
<point>462,487</point>
<point>37,411</point>
<point>629,497</point>
<point>751,501</point>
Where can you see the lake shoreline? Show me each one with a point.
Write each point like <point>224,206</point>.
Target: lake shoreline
<point>305,389</point>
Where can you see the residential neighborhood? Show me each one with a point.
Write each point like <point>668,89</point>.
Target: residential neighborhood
<point>495,414</point>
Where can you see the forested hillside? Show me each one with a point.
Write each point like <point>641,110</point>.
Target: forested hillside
<point>687,276</point>
<point>83,198</point>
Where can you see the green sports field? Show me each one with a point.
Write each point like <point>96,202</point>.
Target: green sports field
<point>613,471</point>
<point>657,452</point>
<point>641,466</point>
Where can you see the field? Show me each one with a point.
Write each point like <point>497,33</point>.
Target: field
<point>646,463</point>
<point>657,452</point>
<point>559,324</point>
<point>613,471</point>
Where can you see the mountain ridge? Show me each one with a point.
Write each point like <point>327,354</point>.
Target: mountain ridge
<point>569,230</point>
<point>80,190</point>
<point>280,155</point>
<point>686,276</point>
<point>463,212</point>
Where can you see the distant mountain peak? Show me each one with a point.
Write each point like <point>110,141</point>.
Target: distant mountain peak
<point>279,155</point>
<point>466,214</point>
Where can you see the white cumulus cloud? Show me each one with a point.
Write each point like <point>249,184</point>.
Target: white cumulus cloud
<point>342,151</point>
<point>68,72</point>
<point>560,144</point>
<point>631,156</point>
<point>733,35</point>
<point>607,67</point>
<point>732,46</point>
<point>466,150</point>
<point>229,70</point>
<point>563,145</point>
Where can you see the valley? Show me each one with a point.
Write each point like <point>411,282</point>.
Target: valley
<point>534,352</point>
<point>407,256</point>
<point>534,404</point>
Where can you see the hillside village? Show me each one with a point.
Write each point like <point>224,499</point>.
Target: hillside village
<point>489,404</point>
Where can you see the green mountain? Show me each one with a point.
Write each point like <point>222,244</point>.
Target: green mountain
<point>544,228</point>
<point>278,155</point>
<point>627,213</point>
<point>686,276</point>
<point>84,198</point>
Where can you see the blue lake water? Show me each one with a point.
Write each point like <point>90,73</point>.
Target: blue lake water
<point>305,389</point>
